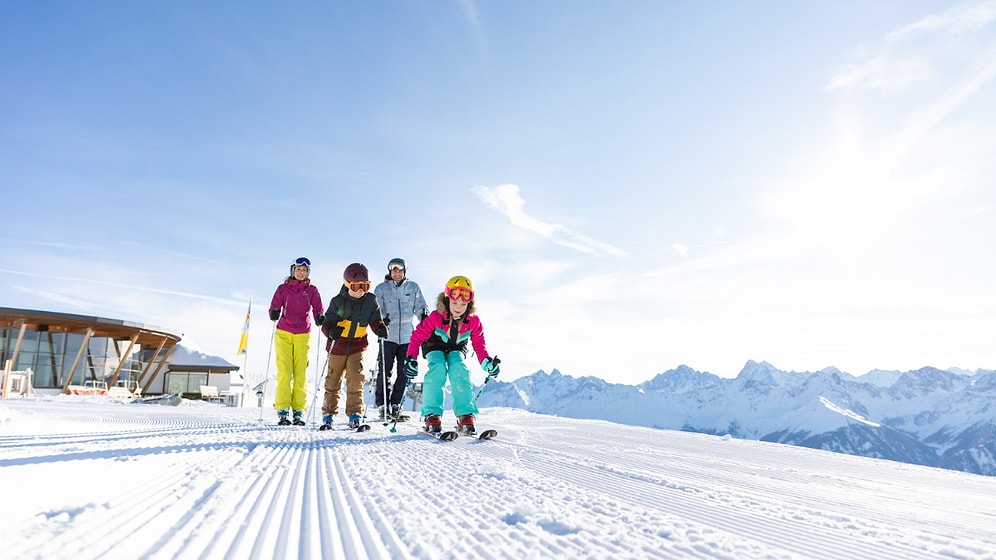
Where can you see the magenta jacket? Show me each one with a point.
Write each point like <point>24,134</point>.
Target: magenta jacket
<point>437,332</point>
<point>294,299</point>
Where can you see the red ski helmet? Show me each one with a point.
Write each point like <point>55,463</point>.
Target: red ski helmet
<point>356,272</point>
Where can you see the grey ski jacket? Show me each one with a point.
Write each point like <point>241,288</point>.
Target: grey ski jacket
<point>402,303</point>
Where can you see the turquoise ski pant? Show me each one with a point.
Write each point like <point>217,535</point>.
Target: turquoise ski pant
<point>292,367</point>
<point>441,366</point>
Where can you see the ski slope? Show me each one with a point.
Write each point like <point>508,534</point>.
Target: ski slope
<point>88,478</point>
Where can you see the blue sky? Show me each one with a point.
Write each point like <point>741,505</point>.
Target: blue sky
<point>632,186</point>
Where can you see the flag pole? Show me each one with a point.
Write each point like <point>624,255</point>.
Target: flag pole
<point>244,349</point>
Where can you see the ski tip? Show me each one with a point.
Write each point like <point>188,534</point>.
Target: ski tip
<point>488,434</point>
<point>363,427</point>
<point>444,436</point>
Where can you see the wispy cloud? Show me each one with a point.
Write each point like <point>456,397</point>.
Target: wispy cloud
<point>506,199</point>
<point>913,53</point>
<point>965,17</point>
<point>912,148</point>
<point>470,9</point>
<point>55,298</point>
<point>129,287</point>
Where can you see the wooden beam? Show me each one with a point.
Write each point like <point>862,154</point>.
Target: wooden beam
<point>145,388</point>
<point>17,345</point>
<point>152,360</point>
<point>76,362</point>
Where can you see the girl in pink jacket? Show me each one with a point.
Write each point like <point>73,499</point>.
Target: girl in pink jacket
<point>443,337</point>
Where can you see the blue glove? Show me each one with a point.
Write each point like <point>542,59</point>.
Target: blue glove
<point>490,365</point>
<point>411,368</point>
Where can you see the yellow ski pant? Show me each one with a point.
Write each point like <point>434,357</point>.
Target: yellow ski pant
<point>292,367</point>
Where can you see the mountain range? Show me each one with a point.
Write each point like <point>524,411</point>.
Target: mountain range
<point>932,417</point>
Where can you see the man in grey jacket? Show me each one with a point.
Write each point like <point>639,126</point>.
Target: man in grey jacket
<point>400,301</point>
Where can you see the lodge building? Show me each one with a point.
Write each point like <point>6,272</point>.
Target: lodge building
<point>67,353</point>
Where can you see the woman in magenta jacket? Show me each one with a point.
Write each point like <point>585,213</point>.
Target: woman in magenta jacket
<point>293,305</point>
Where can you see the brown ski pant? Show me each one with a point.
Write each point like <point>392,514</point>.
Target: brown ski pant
<point>350,367</point>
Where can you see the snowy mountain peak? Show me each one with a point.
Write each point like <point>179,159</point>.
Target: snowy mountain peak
<point>927,416</point>
<point>680,379</point>
<point>188,357</point>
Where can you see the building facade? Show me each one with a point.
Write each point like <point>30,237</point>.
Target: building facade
<point>69,353</point>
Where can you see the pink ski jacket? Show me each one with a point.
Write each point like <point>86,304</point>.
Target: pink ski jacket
<point>295,299</point>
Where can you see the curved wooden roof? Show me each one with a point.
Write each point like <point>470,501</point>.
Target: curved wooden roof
<point>67,322</point>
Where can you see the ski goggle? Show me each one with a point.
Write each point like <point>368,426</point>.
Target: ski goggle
<point>303,261</point>
<point>460,294</point>
<point>359,286</point>
<point>395,266</point>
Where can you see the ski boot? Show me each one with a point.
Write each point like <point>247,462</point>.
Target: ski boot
<point>326,423</point>
<point>283,419</point>
<point>354,420</point>
<point>433,423</point>
<point>465,424</point>
<point>298,418</point>
<point>395,412</point>
<point>382,413</point>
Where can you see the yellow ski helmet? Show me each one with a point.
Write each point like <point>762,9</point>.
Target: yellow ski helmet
<point>460,288</point>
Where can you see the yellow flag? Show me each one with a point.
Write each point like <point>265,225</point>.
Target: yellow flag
<point>244,339</point>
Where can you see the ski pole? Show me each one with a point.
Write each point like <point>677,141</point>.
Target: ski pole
<point>382,377</point>
<point>394,427</point>
<point>266,376</point>
<point>495,361</point>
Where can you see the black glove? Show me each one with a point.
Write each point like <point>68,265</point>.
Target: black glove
<point>490,365</point>
<point>319,320</point>
<point>274,314</point>
<point>411,368</point>
<point>387,320</point>
<point>381,330</point>
<point>423,315</point>
<point>332,331</point>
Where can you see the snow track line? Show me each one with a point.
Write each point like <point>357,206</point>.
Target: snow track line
<point>200,483</point>
<point>364,538</point>
<point>748,524</point>
<point>247,509</point>
<point>456,483</point>
<point>134,509</point>
<point>790,487</point>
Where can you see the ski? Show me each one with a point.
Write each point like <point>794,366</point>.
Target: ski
<point>485,435</point>
<point>360,428</point>
<point>442,436</point>
<point>452,435</point>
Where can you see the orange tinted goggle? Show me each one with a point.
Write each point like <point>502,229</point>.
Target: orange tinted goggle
<point>460,294</point>
<point>359,286</point>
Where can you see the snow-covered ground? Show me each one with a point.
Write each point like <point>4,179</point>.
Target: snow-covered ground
<point>100,479</point>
